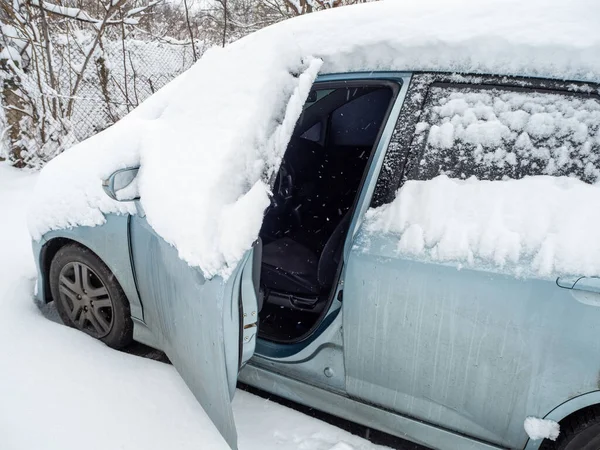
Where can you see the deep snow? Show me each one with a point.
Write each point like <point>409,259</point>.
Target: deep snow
<point>210,141</point>
<point>62,390</point>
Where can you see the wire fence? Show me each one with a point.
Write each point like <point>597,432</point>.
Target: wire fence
<point>48,107</point>
<point>118,79</point>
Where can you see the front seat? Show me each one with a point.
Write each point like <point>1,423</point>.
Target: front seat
<point>291,268</point>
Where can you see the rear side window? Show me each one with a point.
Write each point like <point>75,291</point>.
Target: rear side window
<point>495,133</point>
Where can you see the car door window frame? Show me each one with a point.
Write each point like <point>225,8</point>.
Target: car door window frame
<point>376,159</point>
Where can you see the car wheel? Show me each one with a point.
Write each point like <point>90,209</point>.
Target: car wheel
<point>88,296</point>
<point>581,432</point>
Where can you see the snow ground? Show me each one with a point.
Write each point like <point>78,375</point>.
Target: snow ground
<point>61,389</point>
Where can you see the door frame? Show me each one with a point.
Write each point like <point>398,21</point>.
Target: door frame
<point>369,183</point>
<point>319,359</point>
<point>299,351</point>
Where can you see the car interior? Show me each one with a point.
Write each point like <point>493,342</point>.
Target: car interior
<point>314,194</point>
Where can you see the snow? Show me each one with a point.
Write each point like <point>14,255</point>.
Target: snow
<point>541,428</point>
<point>489,202</point>
<point>75,13</point>
<point>509,37</point>
<point>536,226</point>
<point>60,388</point>
<point>210,142</point>
<point>201,203</point>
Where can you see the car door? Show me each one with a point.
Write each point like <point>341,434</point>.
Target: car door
<point>207,328</point>
<point>472,349</point>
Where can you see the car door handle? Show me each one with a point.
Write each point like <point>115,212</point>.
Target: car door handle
<point>589,284</point>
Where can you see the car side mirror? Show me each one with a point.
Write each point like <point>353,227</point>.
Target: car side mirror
<point>121,185</point>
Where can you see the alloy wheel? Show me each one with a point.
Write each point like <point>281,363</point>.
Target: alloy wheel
<point>86,299</point>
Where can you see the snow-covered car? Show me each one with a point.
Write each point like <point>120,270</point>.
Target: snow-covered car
<point>387,212</point>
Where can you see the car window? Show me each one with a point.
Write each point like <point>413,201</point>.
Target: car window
<point>494,133</point>
<point>357,122</point>
<point>313,133</point>
<point>316,95</point>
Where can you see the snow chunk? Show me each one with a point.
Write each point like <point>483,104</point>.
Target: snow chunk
<point>534,225</point>
<point>541,125</point>
<point>516,120</point>
<point>442,136</point>
<point>489,133</point>
<point>541,428</point>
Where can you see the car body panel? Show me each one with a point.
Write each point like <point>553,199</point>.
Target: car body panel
<point>195,320</point>
<point>461,338</point>
<point>110,242</point>
<point>343,406</point>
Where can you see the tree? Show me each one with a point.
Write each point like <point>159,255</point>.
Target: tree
<point>36,115</point>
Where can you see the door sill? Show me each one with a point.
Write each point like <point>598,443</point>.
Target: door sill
<point>355,411</point>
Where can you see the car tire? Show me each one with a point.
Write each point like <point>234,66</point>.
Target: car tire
<point>88,297</point>
<point>580,432</point>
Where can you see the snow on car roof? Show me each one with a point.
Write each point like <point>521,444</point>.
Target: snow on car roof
<point>554,39</point>
<point>209,142</point>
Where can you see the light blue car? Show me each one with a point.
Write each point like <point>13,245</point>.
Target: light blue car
<point>325,310</point>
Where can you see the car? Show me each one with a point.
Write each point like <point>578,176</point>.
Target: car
<point>428,265</point>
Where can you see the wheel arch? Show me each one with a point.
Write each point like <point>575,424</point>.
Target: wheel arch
<point>109,242</point>
<point>572,407</point>
<point>47,253</point>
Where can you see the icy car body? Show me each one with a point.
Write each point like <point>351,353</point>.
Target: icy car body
<point>453,295</point>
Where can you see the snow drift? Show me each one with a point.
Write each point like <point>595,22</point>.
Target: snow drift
<point>539,225</point>
<point>209,142</point>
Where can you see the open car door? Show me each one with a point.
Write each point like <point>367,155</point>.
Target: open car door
<point>207,328</point>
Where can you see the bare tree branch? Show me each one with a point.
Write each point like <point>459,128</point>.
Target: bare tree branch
<point>82,16</point>
<point>109,13</point>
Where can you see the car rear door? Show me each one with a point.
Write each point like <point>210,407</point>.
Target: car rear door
<point>473,349</point>
<point>207,328</point>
